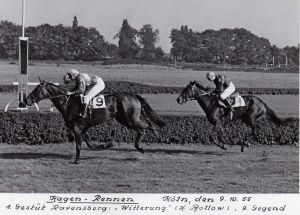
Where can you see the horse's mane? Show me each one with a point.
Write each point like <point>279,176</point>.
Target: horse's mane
<point>57,86</point>
<point>200,86</point>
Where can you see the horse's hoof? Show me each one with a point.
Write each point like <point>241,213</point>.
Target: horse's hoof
<point>109,145</point>
<point>90,146</point>
<point>141,150</point>
<point>76,162</point>
<point>242,149</point>
<point>223,147</point>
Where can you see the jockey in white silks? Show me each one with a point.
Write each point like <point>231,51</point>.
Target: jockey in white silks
<point>224,87</point>
<point>88,85</point>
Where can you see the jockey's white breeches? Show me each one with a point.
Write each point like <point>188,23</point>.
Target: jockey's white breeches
<point>93,91</point>
<point>228,91</point>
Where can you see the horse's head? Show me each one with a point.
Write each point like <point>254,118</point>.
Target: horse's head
<point>40,92</point>
<point>190,92</point>
<point>187,93</point>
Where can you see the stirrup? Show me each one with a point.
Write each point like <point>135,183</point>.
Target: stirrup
<point>230,114</point>
<point>83,115</point>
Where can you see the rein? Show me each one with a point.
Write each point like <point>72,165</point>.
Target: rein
<point>196,97</point>
<point>52,97</point>
<point>58,96</point>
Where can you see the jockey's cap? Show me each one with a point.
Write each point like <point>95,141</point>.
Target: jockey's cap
<point>73,71</point>
<point>70,75</point>
<point>210,76</point>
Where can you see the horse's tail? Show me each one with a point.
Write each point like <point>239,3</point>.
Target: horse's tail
<point>149,112</point>
<point>276,119</point>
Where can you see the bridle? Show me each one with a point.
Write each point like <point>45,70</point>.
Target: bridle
<point>196,97</point>
<point>193,97</point>
<point>49,97</point>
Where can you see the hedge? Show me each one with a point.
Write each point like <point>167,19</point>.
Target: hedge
<point>47,127</point>
<point>123,86</point>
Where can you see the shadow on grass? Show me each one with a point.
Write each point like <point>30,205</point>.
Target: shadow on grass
<point>154,151</point>
<point>30,155</point>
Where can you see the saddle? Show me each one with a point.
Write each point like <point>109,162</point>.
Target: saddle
<point>235,99</point>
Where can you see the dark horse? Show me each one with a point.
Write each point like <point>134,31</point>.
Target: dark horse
<point>254,110</point>
<point>128,109</point>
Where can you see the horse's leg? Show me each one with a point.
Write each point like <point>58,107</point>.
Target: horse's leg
<point>252,123</point>
<point>154,131</point>
<point>86,138</point>
<point>78,139</point>
<point>216,135</point>
<point>111,142</point>
<point>222,137</point>
<point>139,126</point>
<point>140,134</point>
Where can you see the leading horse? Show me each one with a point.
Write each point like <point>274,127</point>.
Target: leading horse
<point>250,114</point>
<point>129,109</point>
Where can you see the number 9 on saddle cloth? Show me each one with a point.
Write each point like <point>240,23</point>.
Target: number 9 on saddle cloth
<point>97,102</point>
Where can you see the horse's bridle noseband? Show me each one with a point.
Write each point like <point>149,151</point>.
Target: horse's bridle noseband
<point>49,97</point>
<point>193,96</point>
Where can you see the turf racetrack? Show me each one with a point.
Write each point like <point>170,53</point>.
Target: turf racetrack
<point>151,75</point>
<point>162,169</point>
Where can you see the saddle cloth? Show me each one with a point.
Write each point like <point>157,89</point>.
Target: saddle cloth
<point>97,102</point>
<point>236,100</point>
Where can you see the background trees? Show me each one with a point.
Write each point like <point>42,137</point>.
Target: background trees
<point>226,46</point>
<point>134,44</point>
<point>148,37</point>
<point>233,46</point>
<point>48,42</point>
<point>9,42</point>
<point>128,47</point>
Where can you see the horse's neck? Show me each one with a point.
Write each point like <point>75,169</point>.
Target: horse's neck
<point>205,101</point>
<point>58,102</point>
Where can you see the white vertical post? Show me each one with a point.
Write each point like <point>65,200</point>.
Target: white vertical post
<point>23,18</point>
<point>286,61</point>
<point>23,63</point>
<point>273,62</point>
<point>23,71</point>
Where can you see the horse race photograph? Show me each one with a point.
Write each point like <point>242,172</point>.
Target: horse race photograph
<point>161,96</point>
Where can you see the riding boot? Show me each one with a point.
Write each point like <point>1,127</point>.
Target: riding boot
<point>229,106</point>
<point>83,113</point>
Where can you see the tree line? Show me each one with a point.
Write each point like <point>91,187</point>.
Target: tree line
<point>48,42</point>
<point>225,46</point>
<point>233,46</point>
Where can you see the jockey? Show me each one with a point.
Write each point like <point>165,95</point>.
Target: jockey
<point>88,85</point>
<point>224,87</point>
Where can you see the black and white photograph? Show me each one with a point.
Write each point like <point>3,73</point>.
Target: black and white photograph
<point>149,97</point>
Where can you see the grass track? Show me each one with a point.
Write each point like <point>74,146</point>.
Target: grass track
<point>162,169</point>
<point>152,75</point>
